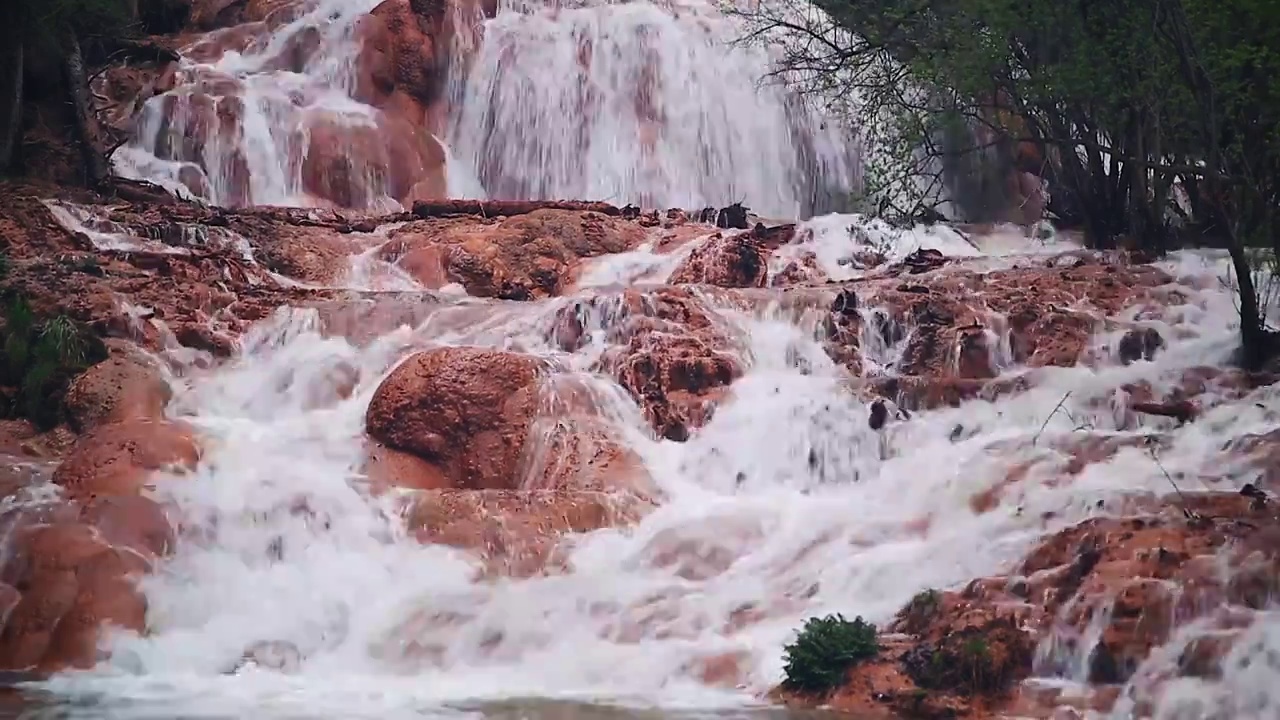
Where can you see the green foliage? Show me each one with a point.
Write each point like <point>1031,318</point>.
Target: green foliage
<point>916,615</point>
<point>1156,122</point>
<point>824,651</point>
<point>972,660</point>
<point>41,357</point>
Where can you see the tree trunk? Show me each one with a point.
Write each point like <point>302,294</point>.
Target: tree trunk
<point>11,101</point>
<point>87,130</point>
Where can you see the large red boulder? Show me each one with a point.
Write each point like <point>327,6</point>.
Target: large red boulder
<point>352,164</point>
<point>120,458</point>
<point>126,386</point>
<point>465,410</point>
<point>70,573</point>
<point>404,51</point>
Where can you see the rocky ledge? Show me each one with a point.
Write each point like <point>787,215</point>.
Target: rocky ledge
<point>1188,574</point>
<point>506,452</point>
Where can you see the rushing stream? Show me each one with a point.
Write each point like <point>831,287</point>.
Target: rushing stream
<point>791,504</point>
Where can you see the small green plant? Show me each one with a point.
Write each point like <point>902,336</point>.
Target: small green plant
<point>973,660</point>
<point>975,657</point>
<point>824,651</point>
<point>40,359</point>
<point>915,616</point>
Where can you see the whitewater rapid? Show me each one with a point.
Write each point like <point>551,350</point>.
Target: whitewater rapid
<point>814,511</point>
<point>645,103</point>
<point>842,533</point>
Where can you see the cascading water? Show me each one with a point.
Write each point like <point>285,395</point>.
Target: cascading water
<point>627,102</point>
<point>791,504</point>
<point>236,128</point>
<point>787,504</point>
<point>640,103</point>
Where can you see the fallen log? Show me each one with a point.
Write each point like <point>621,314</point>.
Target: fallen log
<point>1182,410</point>
<point>506,208</point>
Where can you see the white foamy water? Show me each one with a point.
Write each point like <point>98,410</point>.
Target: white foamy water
<point>236,128</point>
<point>787,503</point>
<point>623,102</point>
<point>637,102</point>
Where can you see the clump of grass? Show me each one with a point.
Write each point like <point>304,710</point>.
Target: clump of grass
<point>824,651</point>
<point>973,660</point>
<point>41,357</point>
<point>916,615</point>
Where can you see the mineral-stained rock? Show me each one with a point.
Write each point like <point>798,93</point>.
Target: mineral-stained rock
<point>516,532</point>
<point>465,410</point>
<point>663,349</point>
<point>734,260</point>
<point>962,653</point>
<point>737,260</point>
<point>119,458</point>
<point>525,256</point>
<point>123,387</point>
<point>70,572</point>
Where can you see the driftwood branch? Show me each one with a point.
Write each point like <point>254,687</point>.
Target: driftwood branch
<point>1183,411</point>
<point>506,208</point>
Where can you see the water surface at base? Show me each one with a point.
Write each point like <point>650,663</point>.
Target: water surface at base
<point>38,706</point>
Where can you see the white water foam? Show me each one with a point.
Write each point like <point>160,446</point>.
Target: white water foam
<point>639,103</point>
<point>624,102</point>
<point>795,508</point>
<point>274,102</point>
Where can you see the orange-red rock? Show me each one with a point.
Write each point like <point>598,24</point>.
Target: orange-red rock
<point>123,387</point>
<point>737,260</point>
<point>387,467</point>
<point>524,257</point>
<point>664,350</point>
<point>1158,568</point>
<point>119,458</point>
<point>351,165</point>
<point>516,532</point>
<point>465,410</point>
<point>71,583</point>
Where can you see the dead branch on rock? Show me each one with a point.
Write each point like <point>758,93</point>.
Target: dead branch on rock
<point>1182,411</point>
<point>506,208</point>
<point>1186,511</point>
<point>1045,424</point>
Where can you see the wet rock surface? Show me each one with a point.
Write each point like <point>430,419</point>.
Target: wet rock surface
<point>1123,585</point>
<point>507,453</point>
<point>663,347</point>
<point>527,256</point>
<point>465,410</point>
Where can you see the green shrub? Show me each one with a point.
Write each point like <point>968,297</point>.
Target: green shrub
<point>824,651</point>
<point>974,660</point>
<point>41,357</point>
<point>916,615</point>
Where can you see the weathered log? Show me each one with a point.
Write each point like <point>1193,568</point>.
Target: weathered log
<point>506,208</point>
<point>1183,411</point>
